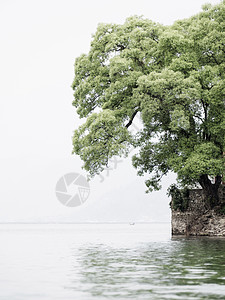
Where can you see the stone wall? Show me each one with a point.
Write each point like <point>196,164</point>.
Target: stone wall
<point>198,220</point>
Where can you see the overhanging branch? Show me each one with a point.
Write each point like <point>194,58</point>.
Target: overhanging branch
<point>132,118</point>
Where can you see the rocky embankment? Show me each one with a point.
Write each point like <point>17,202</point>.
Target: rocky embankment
<point>197,220</point>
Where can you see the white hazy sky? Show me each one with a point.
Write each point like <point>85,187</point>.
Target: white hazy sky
<point>39,42</point>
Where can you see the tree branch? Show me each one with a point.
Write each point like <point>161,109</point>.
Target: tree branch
<point>132,118</point>
<point>218,181</point>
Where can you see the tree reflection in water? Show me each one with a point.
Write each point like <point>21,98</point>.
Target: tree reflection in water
<point>182,268</point>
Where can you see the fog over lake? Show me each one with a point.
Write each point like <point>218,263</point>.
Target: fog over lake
<point>40,41</point>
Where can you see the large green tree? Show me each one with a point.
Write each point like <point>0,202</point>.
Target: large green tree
<point>174,78</point>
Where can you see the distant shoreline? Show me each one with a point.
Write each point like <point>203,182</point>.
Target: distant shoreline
<point>68,223</point>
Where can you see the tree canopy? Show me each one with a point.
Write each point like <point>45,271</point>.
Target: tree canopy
<point>174,78</point>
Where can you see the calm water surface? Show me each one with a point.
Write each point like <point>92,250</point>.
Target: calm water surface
<point>108,261</point>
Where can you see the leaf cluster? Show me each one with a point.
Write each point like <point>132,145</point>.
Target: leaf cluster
<point>174,77</point>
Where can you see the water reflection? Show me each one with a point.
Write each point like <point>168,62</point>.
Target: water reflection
<point>176,269</point>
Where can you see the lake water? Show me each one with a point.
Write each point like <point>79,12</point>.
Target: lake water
<point>108,261</point>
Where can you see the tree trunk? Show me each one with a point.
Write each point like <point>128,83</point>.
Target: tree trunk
<point>210,190</point>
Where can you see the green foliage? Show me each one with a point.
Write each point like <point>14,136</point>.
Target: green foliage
<point>180,198</point>
<point>103,139</point>
<point>174,77</point>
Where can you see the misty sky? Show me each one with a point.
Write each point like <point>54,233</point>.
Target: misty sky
<point>40,40</point>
